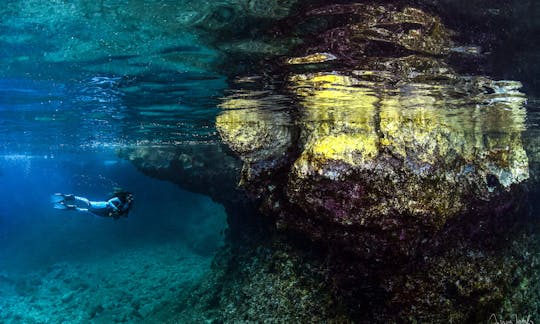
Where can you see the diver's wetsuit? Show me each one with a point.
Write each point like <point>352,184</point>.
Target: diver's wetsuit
<point>100,208</point>
<point>115,207</point>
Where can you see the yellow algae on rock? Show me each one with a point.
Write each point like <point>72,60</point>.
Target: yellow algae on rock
<point>337,119</point>
<point>351,120</point>
<point>252,129</point>
<point>438,130</point>
<point>348,148</point>
<point>424,146</point>
<point>241,127</point>
<point>311,58</point>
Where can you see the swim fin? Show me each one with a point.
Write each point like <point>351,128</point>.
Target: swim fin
<point>60,206</point>
<point>57,198</point>
<point>63,206</point>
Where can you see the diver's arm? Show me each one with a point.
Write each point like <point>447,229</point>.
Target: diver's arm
<point>113,206</point>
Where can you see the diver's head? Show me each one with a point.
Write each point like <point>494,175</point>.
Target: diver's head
<point>125,197</point>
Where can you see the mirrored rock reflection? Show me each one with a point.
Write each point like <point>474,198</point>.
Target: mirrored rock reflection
<point>407,172</point>
<point>429,146</point>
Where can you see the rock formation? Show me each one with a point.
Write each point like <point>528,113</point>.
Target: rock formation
<point>381,167</point>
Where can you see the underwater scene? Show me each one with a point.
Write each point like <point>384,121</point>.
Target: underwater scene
<point>278,161</point>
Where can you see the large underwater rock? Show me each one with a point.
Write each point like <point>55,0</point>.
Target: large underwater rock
<point>390,179</point>
<point>409,175</point>
<point>397,145</point>
<point>196,167</point>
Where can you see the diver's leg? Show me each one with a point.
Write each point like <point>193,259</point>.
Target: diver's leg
<point>73,207</point>
<point>85,202</point>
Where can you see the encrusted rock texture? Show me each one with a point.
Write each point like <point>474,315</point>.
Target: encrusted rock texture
<point>393,185</point>
<point>409,175</point>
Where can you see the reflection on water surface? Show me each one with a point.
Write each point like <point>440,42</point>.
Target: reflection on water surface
<point>460,133</point>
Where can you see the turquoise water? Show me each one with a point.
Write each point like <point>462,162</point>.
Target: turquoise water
<point>64,117</point>
<point>63,134</point>
<point>291,161</point>
<point>68,266</point>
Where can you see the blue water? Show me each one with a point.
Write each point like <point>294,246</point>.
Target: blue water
<point>53,263</point>
<point>33,234</point>
<point>78,83</point>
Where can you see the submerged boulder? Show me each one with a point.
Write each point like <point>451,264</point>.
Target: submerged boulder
<point>404,160</point>
<point>407,175</point>
<point>401,159</point>
<point>208,169</point>
<point>391,182</point>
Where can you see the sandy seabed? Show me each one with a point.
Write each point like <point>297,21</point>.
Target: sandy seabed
<point>132,285</point>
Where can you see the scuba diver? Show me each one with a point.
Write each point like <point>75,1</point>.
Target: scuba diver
<point>119,205</point>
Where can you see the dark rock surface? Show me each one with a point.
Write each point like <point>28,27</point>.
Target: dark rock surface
<point>394,181</point>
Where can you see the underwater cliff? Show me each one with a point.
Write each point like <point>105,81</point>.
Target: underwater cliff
<point>376,161</point>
